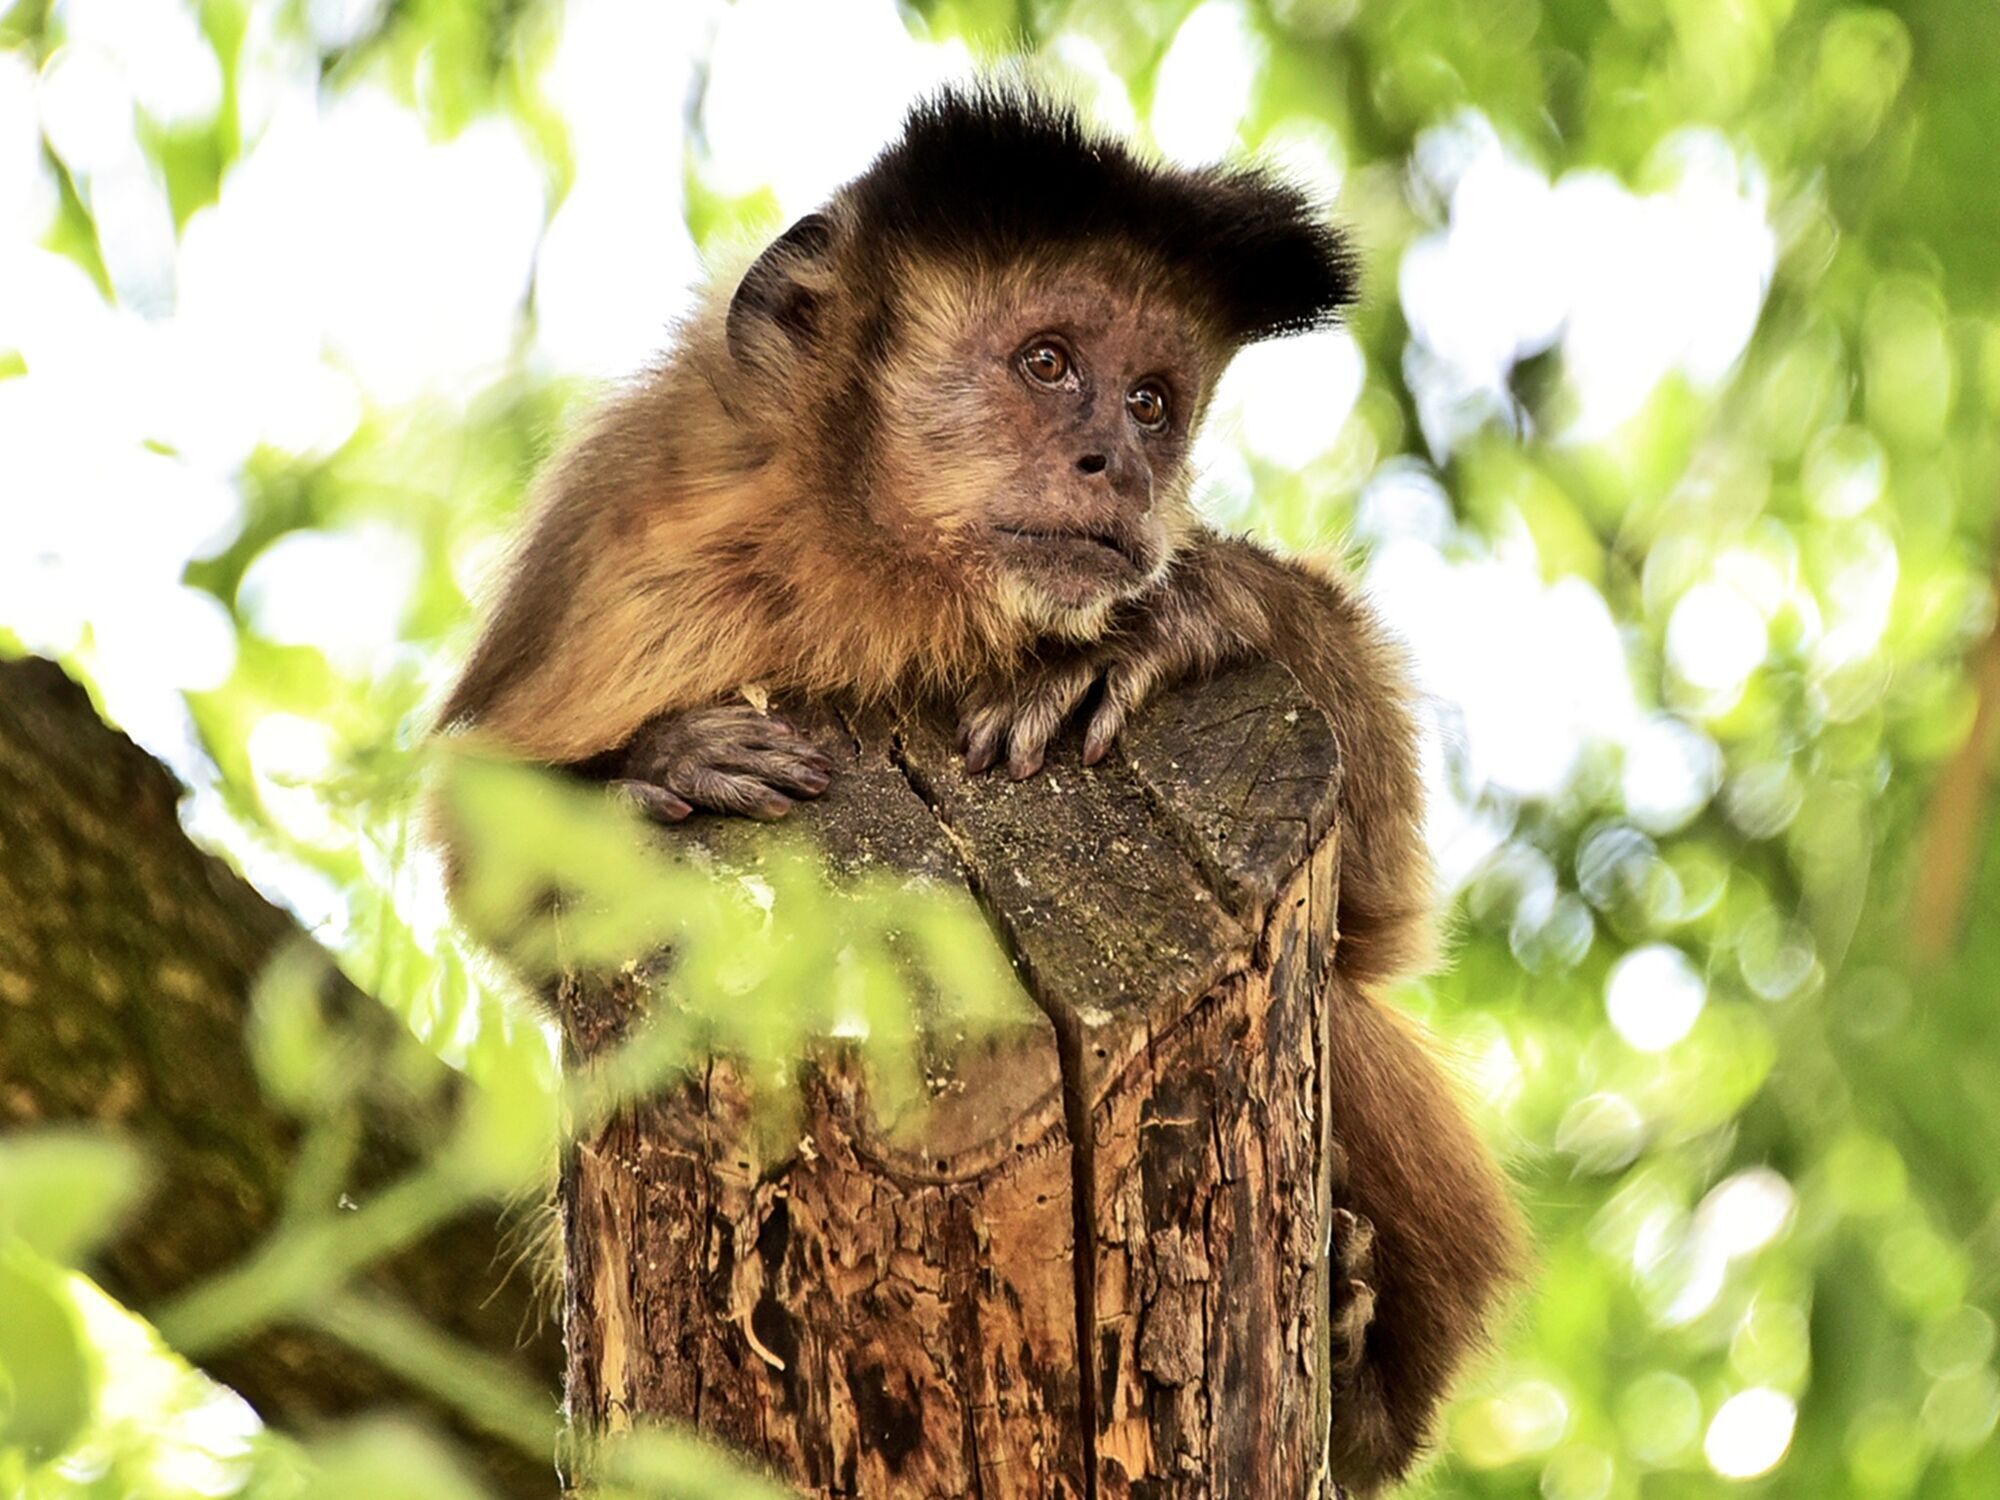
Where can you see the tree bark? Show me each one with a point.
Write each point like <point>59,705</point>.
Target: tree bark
<point>127,956</point>
<point>1096,1266</point>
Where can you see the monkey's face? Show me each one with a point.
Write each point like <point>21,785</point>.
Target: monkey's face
<point>1059,415</point>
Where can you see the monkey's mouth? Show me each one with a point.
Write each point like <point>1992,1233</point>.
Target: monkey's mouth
<point>1100,546</point>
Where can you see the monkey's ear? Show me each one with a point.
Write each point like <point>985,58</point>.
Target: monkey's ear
<point>785,289</point>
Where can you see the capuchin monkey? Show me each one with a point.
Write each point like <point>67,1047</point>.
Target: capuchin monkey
<point>935,441</point>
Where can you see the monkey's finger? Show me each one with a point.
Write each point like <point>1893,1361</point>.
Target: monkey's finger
<point>730,792</point>
<point>1105,727</point>
<point>1126,686</point>
<point>1040,714</point>
<point>972,717</point>
<point>802,775</point>
<point>731,719</point>
<point>739,726</point>
<point>1027,747</point>
<point>1354,1310</point>
<point>656,802</point>
<point>776,734</point>
<point>982,743</point>
<point>1353,1244</point>
<point>798,755</point>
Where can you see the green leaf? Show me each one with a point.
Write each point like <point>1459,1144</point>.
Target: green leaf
<point>386,1461</point>
<point>665,1465</point>
<point>63,1191</point>
<point>305,1064</point>
<point>45,1378</point>
<point>963,958</point>
<point>507,1134</point>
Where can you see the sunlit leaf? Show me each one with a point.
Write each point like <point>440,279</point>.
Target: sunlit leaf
<point>507,1135</point>
<point>63,1191</point>
<point>660,1465</point>
<point>305,1062</point>
<point>387,1461</point>
<point>45,1377</point>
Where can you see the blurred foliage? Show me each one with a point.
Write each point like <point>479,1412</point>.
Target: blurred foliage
<point>1723,981</point>
<point>753,951</point>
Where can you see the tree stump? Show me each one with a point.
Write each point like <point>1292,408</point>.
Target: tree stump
<point>1098,1268</point>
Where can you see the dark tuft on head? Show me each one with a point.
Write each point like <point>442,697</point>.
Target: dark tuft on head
<point>992,173</point>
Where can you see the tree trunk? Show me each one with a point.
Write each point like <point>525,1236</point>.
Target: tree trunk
<point>1096,1266</point>
<point>126,961</point>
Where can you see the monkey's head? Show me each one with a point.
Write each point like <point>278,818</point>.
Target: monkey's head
<point>1004,334</point>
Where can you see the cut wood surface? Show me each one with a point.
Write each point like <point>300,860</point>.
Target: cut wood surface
<point>1096,1267</point>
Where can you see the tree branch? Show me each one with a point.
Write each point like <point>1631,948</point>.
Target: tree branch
<point>127,957</point>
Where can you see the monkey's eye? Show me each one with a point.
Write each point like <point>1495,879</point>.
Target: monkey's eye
<point>1046,362</point>
<point>1148,404</point>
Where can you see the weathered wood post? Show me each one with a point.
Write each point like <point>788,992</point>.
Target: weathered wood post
<point>1099,1269</point>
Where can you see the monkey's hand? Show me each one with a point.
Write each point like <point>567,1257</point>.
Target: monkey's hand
<point>1351,1249</point>
<point>1160,638</point>
<point>726,758</point>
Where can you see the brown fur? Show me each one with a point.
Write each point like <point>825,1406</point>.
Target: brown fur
<point>843,483</point>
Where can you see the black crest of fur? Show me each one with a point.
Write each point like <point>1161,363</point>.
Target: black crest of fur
<point>993,173</point>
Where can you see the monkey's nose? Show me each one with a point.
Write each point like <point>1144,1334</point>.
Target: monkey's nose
<point>1092,463</point>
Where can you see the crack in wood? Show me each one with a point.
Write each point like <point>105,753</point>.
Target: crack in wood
<point>1205,800</point>
<point>1076,1123</point>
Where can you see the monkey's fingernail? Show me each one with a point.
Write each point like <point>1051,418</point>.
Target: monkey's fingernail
<point>1021,767</point>
<point>1097,744</point>
<point>774,806</point>
<point>656,802</point>
<point>815,782</point>
<point>979,756</point>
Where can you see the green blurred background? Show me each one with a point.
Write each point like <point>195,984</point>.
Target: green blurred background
<point>1668,434</point>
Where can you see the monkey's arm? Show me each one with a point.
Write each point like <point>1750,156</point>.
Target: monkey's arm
<point>1318,625</point>
<point>585,645</point>
<point>649,723</point>
<point>611,610</point>
<point>565,691</point>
